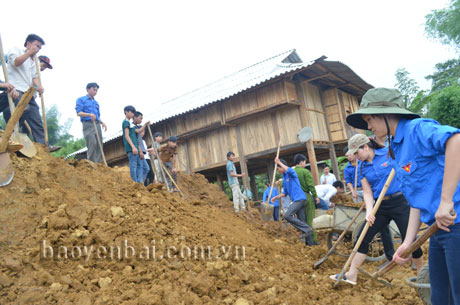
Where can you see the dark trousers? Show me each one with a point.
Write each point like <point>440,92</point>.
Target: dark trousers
<point>387,241</point>
<point>150,175</point>
<point>31,115</point>
<point>297,208</point>
<point>395,209</point>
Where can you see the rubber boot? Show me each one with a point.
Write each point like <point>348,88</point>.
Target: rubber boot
<point>309,239</point>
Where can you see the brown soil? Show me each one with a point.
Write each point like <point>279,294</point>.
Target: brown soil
<point>79,205</point>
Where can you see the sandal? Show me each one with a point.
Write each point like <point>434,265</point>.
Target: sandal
<point>335,276</point>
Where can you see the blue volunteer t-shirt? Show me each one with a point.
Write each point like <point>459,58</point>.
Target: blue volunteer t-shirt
<point>349,173</point>
<point>88,105</point>
<point>291,186</point>
<point>231,167</point>
<point>377,173</point>
<point>420,147</point>
<point>274,193</point>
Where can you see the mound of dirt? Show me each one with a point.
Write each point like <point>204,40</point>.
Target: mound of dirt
<point>80,233</point>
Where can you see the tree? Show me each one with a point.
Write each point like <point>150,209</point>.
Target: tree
<point>407,86</point>
<point>57,133</point>
<point>444,24</point>
<point>445,106</point>
<point>446,74</point>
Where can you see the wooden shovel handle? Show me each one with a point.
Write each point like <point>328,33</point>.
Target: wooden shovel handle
<point>45,126</point>
<point>414,246</point>
<point>16,115</point>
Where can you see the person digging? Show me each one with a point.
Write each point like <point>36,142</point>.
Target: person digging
<point>291,187</point>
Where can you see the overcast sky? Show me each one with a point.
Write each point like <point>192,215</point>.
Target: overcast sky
<point>146,52</point>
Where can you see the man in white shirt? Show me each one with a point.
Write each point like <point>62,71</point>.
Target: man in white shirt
<point>325,192</point>
<point>327,177</point>
<point>22,74</point>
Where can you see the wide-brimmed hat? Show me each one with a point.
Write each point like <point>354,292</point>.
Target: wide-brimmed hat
<point>356,142</point>
<point>380,101</point>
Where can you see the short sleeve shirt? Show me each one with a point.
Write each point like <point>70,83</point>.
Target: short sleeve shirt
<point>231,167</point>
<point>132,135</point>
<point>420,146</point>
<point>377,173</point>
<point>330,179</point>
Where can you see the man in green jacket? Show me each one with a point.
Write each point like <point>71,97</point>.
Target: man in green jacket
<point>308,186</point>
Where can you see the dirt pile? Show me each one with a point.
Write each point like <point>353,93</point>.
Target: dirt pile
<point>80,233</point>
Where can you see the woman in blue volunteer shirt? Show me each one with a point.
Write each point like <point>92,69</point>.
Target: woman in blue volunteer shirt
<point>374,172</point>
<point>426,159</point>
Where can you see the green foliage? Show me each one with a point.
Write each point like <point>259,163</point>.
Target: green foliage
<point>59,134</point>
<point>2,123</point>
<point>69,146</point>
<point>445,106</point>
<point>407,86</point>
<point>444,24</point>
<point>446,74</point>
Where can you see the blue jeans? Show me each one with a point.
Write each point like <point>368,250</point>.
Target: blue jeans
<point>135,167</point>
<point>323,204</point>
<point>443,258</point>
<point>145,169</point>
<point>276,213</point>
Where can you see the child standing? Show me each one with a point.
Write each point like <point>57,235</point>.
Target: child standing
<point>131,146</point>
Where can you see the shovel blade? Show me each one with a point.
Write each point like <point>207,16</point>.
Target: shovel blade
<point>28,150</point>
<point>6,169</point>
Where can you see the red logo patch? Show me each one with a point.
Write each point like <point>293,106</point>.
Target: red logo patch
<point>385,164</point>
<point>407,167</point>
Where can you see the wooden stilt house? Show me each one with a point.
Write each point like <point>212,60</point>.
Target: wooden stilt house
<point>248,111</point>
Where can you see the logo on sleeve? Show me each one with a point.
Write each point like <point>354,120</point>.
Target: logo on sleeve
<point>407,167</point>
<point>384,164</point>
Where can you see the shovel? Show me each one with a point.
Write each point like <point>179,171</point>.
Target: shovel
<point>366,227</point>
<point>45,127</point>
<point>6,166</point>
<point>28,148</point>
<point>265,205</point>
<point>99,143</point>
<point>158,158</point>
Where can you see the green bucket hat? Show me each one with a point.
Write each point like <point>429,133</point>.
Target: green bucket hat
<point>356,142</point>
<point>380,101</point>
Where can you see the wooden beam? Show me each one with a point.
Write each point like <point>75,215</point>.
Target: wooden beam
<point>308,80</point>
<point>243,165</point>
<point>263,109</point>
<point>333,157</point>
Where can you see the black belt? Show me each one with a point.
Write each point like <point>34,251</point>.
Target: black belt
<point>397,194</point>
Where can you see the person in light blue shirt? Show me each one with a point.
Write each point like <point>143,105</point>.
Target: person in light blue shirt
<point>426,159</point>
<point>291,187</point>
<point>232,176</point>
<point>276,204</point>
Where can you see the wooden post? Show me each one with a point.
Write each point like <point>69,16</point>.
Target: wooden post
<point>219,182</point>
<point>243,165</point>
<point>313,162</point>
<point>332,156</point>
<point>252,182</point>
